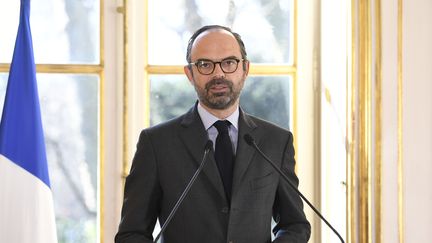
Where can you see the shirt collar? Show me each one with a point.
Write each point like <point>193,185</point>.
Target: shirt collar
<point>209,119</point>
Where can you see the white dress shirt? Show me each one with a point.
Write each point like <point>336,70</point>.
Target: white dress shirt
<point>209,119</point>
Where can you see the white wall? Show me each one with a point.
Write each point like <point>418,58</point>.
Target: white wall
<point>417,119</point>
<point>389,121</point>
<point>307,150</point>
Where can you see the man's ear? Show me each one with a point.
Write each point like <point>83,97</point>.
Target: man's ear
<point>246,67</point>
<point>188,71</point>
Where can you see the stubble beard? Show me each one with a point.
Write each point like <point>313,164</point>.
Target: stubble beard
<point>222,100</point>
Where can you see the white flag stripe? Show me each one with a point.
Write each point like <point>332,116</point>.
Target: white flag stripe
<point>27,214</point>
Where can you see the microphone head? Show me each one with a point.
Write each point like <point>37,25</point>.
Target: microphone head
<point>209,145</point>
<point>249,139</point>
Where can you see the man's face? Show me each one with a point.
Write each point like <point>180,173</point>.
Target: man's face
<point>217,90</point>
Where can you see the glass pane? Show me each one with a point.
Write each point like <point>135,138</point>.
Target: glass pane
<point>9,17</point>
<point>268,97</point>
<point>171,96</point>
<point>70,116</point>
<point>64,31</point>
<point>255,20</point>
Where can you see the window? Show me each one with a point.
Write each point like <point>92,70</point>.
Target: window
<point>66,41</point>
<point>268,92</point>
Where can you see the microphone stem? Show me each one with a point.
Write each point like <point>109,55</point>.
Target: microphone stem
<point>298,192</point>
<point>183,195</point>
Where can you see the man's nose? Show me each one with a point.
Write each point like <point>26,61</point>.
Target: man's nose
<point>218,70</point>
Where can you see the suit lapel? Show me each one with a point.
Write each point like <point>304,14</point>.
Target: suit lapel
<point>194,136</point>
<point>244,152</point>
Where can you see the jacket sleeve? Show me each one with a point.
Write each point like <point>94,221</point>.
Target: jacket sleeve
<point>291,223</point>
<point>141,196</point>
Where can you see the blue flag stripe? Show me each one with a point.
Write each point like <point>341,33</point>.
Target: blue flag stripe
<point>21,133</point>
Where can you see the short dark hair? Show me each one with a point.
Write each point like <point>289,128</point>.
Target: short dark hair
<point>209,27</point>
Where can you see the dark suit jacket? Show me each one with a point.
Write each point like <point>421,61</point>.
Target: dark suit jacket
<point>166,158</point>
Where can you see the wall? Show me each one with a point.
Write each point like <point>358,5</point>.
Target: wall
<point>307,117</point>
<point>417,119</point>
<point>389,118</point>
<point>415,216</point>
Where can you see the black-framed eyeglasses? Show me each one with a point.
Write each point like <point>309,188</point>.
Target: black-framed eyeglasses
<point>207,67</point>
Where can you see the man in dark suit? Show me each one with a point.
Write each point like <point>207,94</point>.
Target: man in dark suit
<point>237,194</point>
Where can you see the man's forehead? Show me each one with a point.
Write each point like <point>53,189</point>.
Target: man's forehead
<point>214,34</point>
<point>215,44</point>
<point>215,30</point>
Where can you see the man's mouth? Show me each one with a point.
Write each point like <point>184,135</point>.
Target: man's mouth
<point>218,86</point>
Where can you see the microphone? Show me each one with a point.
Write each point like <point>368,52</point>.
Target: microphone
<point>207,148</point>
<point>250,141</point>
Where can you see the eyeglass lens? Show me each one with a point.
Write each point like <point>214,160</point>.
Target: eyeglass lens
<point>227,65</point>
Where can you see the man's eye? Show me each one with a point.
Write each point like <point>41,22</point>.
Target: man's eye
<point>229,62</point>
<point>204,64</point>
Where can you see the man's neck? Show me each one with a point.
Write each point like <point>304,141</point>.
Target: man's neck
<point>222,114</point>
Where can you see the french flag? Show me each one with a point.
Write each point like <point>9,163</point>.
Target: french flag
<point>26,203</point>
